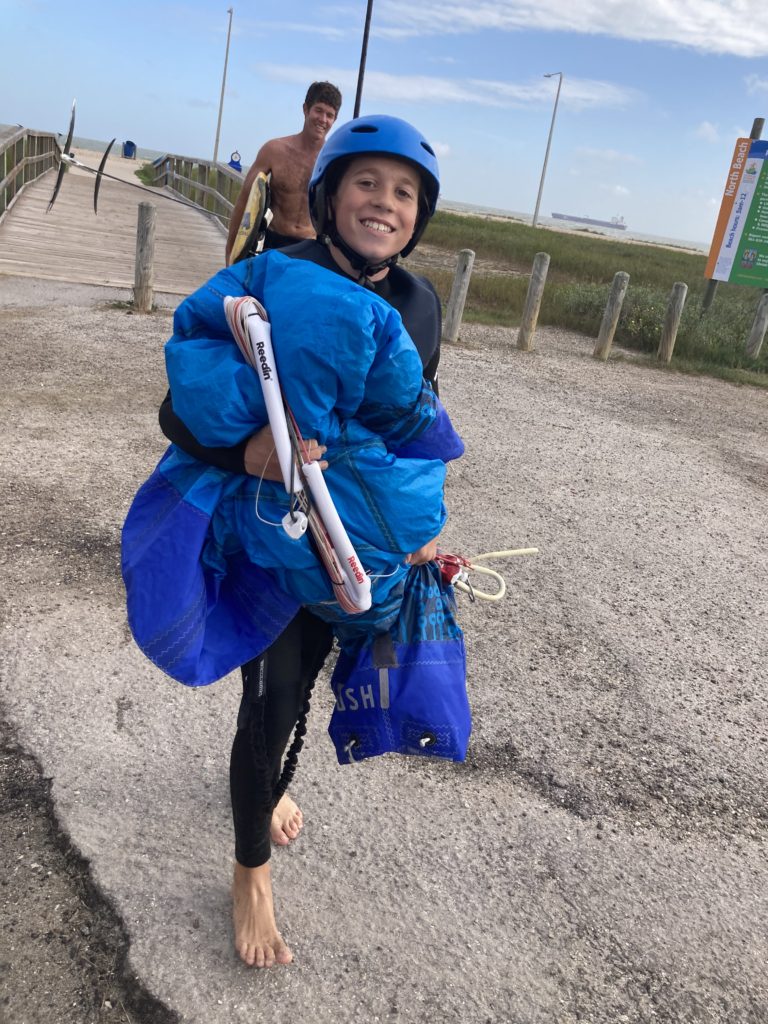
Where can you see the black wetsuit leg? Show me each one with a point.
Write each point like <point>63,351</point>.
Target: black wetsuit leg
<point>274,688</point>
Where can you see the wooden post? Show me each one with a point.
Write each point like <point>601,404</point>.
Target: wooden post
<point>672,321</point>
<point>759,327</point>
<point>143,292</point>
<point>611,315</point>
<point>533,301</point>
<point>455,309</point>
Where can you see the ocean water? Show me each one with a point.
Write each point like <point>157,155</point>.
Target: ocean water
<point>682,243</point>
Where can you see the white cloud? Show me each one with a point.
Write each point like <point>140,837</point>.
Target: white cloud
<point>616,190</point>
<point>442,150</point>
<point>755,84</point>
<point>737,27</point>
<point>577,93</point>
<point>282,28</point>
<point>381,86</point>
<point>707,131</point>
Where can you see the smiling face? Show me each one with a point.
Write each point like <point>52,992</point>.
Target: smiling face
<point>318,121</point>
<point>376,205</point>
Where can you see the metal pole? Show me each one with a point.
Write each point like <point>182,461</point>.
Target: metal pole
<point>363,56</point>
<point>549,143</point>
<point>223,83</point>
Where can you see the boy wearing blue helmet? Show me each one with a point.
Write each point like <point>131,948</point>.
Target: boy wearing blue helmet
<point>372,192</point>
<point>364,142</point>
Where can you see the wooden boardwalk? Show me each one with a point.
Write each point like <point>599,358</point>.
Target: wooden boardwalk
<point>73,244</point>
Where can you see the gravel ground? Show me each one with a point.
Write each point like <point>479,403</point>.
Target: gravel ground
<point>601,855</point>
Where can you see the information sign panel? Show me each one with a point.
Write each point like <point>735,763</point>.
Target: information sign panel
<point>739,251</point>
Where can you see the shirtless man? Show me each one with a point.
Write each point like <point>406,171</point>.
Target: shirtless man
<point>290,161</point>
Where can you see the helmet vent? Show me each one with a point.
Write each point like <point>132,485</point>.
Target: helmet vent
<point>367,129</point>
<point>428,148</point>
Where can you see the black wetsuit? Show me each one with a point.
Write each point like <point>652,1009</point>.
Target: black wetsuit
<point>277,684</point>
<point>274,240</point>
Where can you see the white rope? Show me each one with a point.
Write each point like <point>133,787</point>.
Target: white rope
<point>483,570</point>
<point>511,552</point>
<point>267,522</point>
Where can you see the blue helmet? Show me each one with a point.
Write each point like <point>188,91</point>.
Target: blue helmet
<point>388,136</point>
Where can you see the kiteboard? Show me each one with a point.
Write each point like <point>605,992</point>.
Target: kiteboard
<point>257,217</point>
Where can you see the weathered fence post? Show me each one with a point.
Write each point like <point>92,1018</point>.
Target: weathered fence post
<point>458,297</point>
<point>611,315</point>
<point>759,327</point>
<point>533,301</point>
<point>672,321</point>
<point>143,292</point>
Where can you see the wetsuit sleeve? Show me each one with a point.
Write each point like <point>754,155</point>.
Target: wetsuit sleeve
<point>430,370</point>
<point>418,303</point>
<point>231,459</point>
<point>430,366</point>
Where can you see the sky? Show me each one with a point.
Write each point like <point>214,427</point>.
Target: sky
<point>654,92</point>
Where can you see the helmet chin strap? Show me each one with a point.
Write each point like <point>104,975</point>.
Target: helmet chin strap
<point>358,261</point>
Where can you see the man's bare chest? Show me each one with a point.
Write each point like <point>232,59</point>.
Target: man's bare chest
<point>290,175</point>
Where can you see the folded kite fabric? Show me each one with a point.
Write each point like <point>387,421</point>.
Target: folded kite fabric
<point>211,576</point>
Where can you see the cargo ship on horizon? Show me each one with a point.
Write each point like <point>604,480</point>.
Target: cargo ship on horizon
<point>614,222</point>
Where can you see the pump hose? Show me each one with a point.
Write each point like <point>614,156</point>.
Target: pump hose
<point>483,570</point>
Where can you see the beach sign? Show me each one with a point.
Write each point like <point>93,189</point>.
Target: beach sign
<point>739,251</point>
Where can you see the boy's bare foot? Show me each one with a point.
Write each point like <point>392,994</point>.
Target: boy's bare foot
<point>257,940</point>
<point>287,821</point>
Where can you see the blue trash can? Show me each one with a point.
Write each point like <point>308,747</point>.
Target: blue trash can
<point>129,150</point>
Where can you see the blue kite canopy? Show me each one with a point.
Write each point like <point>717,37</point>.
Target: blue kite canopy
<point>211,576</point>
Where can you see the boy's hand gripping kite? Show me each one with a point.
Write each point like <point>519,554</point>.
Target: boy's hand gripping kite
<point>311,502</point>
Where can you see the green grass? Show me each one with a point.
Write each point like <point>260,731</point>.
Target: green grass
<point>581,269</point>
<point>146,174</point>
<point>492,298</point>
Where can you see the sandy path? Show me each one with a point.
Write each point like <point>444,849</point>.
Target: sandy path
<point>600,857</point>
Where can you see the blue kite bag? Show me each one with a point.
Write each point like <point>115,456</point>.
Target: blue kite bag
<point>405,691</point>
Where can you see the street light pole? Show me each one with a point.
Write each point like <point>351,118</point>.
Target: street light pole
<point>549,143</point>
<point>223,83</point>
<point>363,56</point>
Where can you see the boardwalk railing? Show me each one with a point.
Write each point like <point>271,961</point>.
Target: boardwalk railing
<point>25,155</point>
<point>212,187</point>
